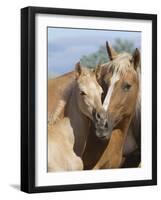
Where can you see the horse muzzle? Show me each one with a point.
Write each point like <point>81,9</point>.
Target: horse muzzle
<point>103,133</point>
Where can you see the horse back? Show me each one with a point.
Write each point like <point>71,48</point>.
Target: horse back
<point>59,90</point>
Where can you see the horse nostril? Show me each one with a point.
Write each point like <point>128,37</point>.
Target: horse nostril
<point>106,125</point>
<point>98,116</point>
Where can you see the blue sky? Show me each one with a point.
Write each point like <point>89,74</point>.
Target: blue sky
<point>66,45</point>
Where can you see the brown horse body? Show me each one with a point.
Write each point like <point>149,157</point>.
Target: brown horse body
<point>59,91</point>
<point>95,147</point>
<point>122,134</point>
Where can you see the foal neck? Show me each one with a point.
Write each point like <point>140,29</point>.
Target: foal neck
<point>79,122</point>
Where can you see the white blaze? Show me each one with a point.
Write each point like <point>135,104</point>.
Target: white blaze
<point>106,102</point>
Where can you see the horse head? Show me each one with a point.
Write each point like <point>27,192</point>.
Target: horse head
<point>88,94</point>
<point>120,80</point>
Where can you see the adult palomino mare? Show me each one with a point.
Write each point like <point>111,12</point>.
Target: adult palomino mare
<point>120,80</point>
<point>77,97</point>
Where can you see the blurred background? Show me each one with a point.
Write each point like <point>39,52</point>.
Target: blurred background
<point>67,46</point>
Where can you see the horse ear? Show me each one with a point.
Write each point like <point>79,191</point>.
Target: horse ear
<point>78,69</point>
<point>136,58</point>
<point>110,51</point>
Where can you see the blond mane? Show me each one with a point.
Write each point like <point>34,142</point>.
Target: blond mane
<point>120,64</point>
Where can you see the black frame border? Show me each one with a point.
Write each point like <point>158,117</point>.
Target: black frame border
<point>28,98</point>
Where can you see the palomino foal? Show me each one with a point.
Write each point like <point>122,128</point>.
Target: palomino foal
<point>121,103</point>
<point>61,156</point>
<point>83,106</point>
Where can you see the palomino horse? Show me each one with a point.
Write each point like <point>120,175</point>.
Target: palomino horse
<point>78,99</point>
<point>61,156</point>
<point>121,79</point>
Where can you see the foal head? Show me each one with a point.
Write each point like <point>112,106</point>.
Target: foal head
<point>121,77</point>
<point>88,94</point>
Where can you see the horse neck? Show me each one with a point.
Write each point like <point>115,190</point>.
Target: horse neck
<point>79,122</point>
<point>124,125</point>
<point>135,124</point>
<point>131,125</point>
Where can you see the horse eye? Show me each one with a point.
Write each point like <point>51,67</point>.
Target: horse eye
<point>82,93</point>
<point>126,87</point>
